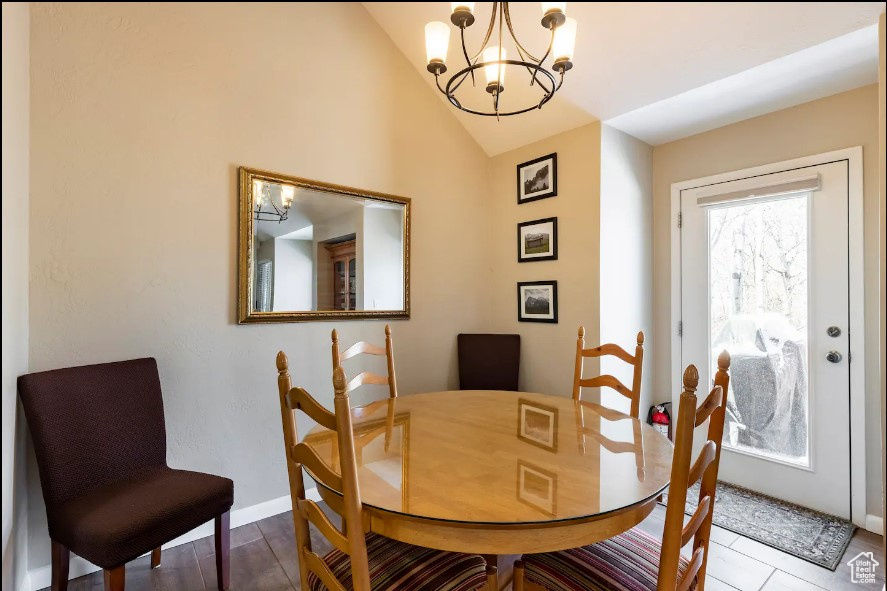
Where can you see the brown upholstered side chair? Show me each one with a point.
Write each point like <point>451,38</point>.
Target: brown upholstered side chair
<point>359,561</point>
<point>635,560</point>
<point>489,361</point>
<point>100,439</point>
<point>368,377</point>
<point>608,381</point>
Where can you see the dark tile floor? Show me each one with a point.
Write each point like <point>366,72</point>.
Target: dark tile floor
<point>263,558</point>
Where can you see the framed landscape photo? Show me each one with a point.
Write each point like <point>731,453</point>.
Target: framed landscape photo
<point>537,240</point>
<point>537,301</point>
<point>537,179</point>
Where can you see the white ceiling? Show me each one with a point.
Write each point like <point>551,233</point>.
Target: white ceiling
<point>631,55</point>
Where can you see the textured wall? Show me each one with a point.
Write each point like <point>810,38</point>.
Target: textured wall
<point>882,158</point>
<point>839,121</point>
<point>15,284</point>
<point>548,350</point>
<point>626,255</point>
<point>140,116</point>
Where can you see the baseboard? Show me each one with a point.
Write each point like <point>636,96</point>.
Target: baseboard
<point>874,524</point>
<point>25,583</point>
<point>41,577</point>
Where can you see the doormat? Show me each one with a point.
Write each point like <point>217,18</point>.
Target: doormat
<point>810,535</point>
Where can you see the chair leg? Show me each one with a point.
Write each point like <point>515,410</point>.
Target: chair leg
<point>155,557</point>
<point>223,549</point>
<point>115,579</point>
<point>492,571</point>
<point>518,581</point>
<point>492,578</point>
<point>61,558</point>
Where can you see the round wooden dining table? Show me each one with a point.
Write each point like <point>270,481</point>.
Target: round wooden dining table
<point>495,473</point>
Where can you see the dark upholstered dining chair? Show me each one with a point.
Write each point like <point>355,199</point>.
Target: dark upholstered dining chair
<point>489,361</point>
<point>100,439</point>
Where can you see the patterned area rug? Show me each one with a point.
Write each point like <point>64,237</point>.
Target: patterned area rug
<point>805,533</point>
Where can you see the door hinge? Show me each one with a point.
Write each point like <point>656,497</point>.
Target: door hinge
<point>680,328</point>
<point>680,219</point>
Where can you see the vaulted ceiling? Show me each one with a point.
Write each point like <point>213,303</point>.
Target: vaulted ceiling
<point>662,71</point>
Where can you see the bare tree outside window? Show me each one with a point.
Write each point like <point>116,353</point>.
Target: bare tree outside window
<point>758,254</point>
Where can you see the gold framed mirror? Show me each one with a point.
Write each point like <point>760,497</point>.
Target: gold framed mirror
<point>310,250</point>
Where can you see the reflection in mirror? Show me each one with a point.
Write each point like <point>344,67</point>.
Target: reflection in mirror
<point>317,250</point>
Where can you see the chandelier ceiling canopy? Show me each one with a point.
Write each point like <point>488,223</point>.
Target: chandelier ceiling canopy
<point>493,59</point>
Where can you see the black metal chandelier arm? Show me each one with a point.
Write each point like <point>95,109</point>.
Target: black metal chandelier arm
<point>520,47</point>
<point>465,53</point>
<point>533,78</point>
<point>468,61</point>
<point>460,76</point>
<point>550,44</point>
<point>450,96</point>
<point>464,77</point>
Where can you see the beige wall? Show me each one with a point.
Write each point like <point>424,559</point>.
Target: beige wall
<point>882,150</point>
<point>840,121</point>
<point>626,258</point>
<point>547,350</point>
<point>15,284</point>
<point>140,115</point>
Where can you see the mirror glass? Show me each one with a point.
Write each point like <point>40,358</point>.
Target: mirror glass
<point>322,251</point>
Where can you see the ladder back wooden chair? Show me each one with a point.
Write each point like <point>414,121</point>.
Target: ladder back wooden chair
<point>635,560</point>
<point>609,381</point>
<point>368,377</point>
<point>358,561</point>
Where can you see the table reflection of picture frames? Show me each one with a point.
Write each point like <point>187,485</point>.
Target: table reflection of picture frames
<point>537,487</point>
<point>537,424</point>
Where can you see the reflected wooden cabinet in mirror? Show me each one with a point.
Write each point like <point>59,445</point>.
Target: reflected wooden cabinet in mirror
<point>310,250</point>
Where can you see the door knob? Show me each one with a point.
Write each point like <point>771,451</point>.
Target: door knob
<point>834,357</point>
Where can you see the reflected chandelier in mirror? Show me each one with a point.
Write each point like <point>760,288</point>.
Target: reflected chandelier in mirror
<point>310,250</point>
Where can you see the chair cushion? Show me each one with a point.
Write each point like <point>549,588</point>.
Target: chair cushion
<point>116,523</point>
<point>628,562</point>
<point>395,566</point>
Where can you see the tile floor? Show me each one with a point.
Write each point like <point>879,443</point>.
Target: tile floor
<point>263,558</point>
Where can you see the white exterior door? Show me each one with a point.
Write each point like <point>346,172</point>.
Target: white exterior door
<point>765,275</point>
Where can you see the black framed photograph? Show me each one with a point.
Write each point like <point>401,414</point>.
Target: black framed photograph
<point>537,179</point>
<point>537,301</point>
<point>537,240</point>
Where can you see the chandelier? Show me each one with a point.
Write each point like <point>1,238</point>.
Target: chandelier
<point>268,209</point>
<point>493,58</point>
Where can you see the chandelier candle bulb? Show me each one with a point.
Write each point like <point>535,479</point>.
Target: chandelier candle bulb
<point>287,193</point>
<point>463,14</point>
<point>437,42</point>
<point>564,45</point>
<point>494,69</point>
<point>457,6</point>
<point>553,14</point>
<point>258,191</point>
<point>548,7</point>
